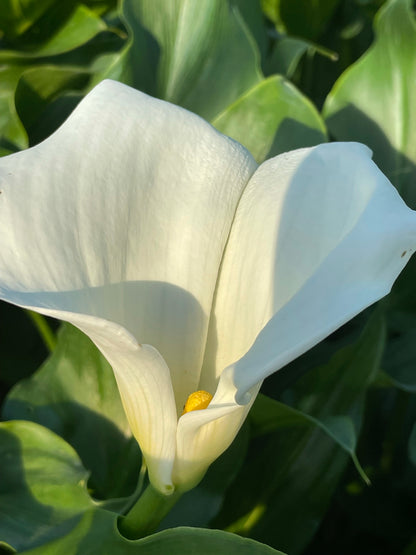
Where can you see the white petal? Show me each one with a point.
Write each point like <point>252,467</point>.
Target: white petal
<point>151,418</point>
<point>319,235</point>
<point>144,384</point>
<point>123,215</point>
<point>130,189</point>
<point>203,435</point>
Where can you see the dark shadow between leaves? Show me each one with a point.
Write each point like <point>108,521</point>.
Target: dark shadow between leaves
<point>351,124</point>
<point>402,173</point>
<point>292,134</point>
<point>112,459</point>
<point>25,522</point>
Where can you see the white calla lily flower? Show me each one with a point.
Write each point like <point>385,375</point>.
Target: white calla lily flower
<point>187,265</point>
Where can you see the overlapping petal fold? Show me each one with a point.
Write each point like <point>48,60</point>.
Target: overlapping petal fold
<point>158,237</point>
<point>117,223</point>
<point>319,235</point>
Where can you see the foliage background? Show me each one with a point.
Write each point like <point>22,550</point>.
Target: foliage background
<point>275,75</point>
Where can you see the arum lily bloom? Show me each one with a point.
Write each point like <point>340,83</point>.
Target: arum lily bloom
<point>190,267</point>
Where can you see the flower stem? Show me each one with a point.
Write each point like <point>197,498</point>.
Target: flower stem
<point>44,330</point>
<point>147,513</point>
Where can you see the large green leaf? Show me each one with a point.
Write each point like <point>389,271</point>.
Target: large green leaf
<point>253,17</point>
<point>45,507</point>
<point>74,394</point>
<point>97,534</point>
<point>372,102</point>
<point>291,474</point>
<point>43,485</point>
<point>271,118</point>
<point>268,415</point>
<point>180,51</point>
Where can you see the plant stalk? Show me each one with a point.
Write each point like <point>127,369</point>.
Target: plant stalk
<point>43,329</point>
<point>147,513</point>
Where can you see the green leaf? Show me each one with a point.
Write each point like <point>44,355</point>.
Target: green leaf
<point>80,27</point>
<point>16,16</point>
<point>372,101</point>
<point>45,96</point>
<point>253,17</point>
<point>271,9</point>
<point>291,474</point>
<point>399,360</point>
<point>12,133</point>
<point>63,30</point>
<point>200,505</point>
<point>268,415</point>
<point>194,46</point>
<point>286,55</point>
<point>97,534</point>
<point>306,18</point>
<point>45,507</point>
<point>271,118</point>
<point>288,51</point>
<point>6,548</point>
<point>74,394</point>
<point>43,485</point>
<point>301,18</point>
<point>101,6</point>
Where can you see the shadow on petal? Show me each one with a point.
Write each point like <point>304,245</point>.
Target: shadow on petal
<point>156,313</point>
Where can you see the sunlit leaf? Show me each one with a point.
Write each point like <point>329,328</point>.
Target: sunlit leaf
<point>372,101</point>
<point>180,51</point>
<point>271,118</point>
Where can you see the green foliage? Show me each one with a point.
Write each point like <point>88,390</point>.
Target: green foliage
<point>45,507</point>
<point>43,486</point>
<point>96,534</point>
<point>271,118</point>
<point>178,50</point>
<point>372,102</point>
<point>259,71</point>
<point>41,36</point>
<point>75,395</point>
<point>302,18</point>
<point>308,447</point>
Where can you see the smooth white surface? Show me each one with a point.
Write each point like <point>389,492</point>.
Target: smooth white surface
<point>123,215</point>
<point>140,224</point>
<point>319,235</point>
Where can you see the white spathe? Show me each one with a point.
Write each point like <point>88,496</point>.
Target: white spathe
<point>189,266</point>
